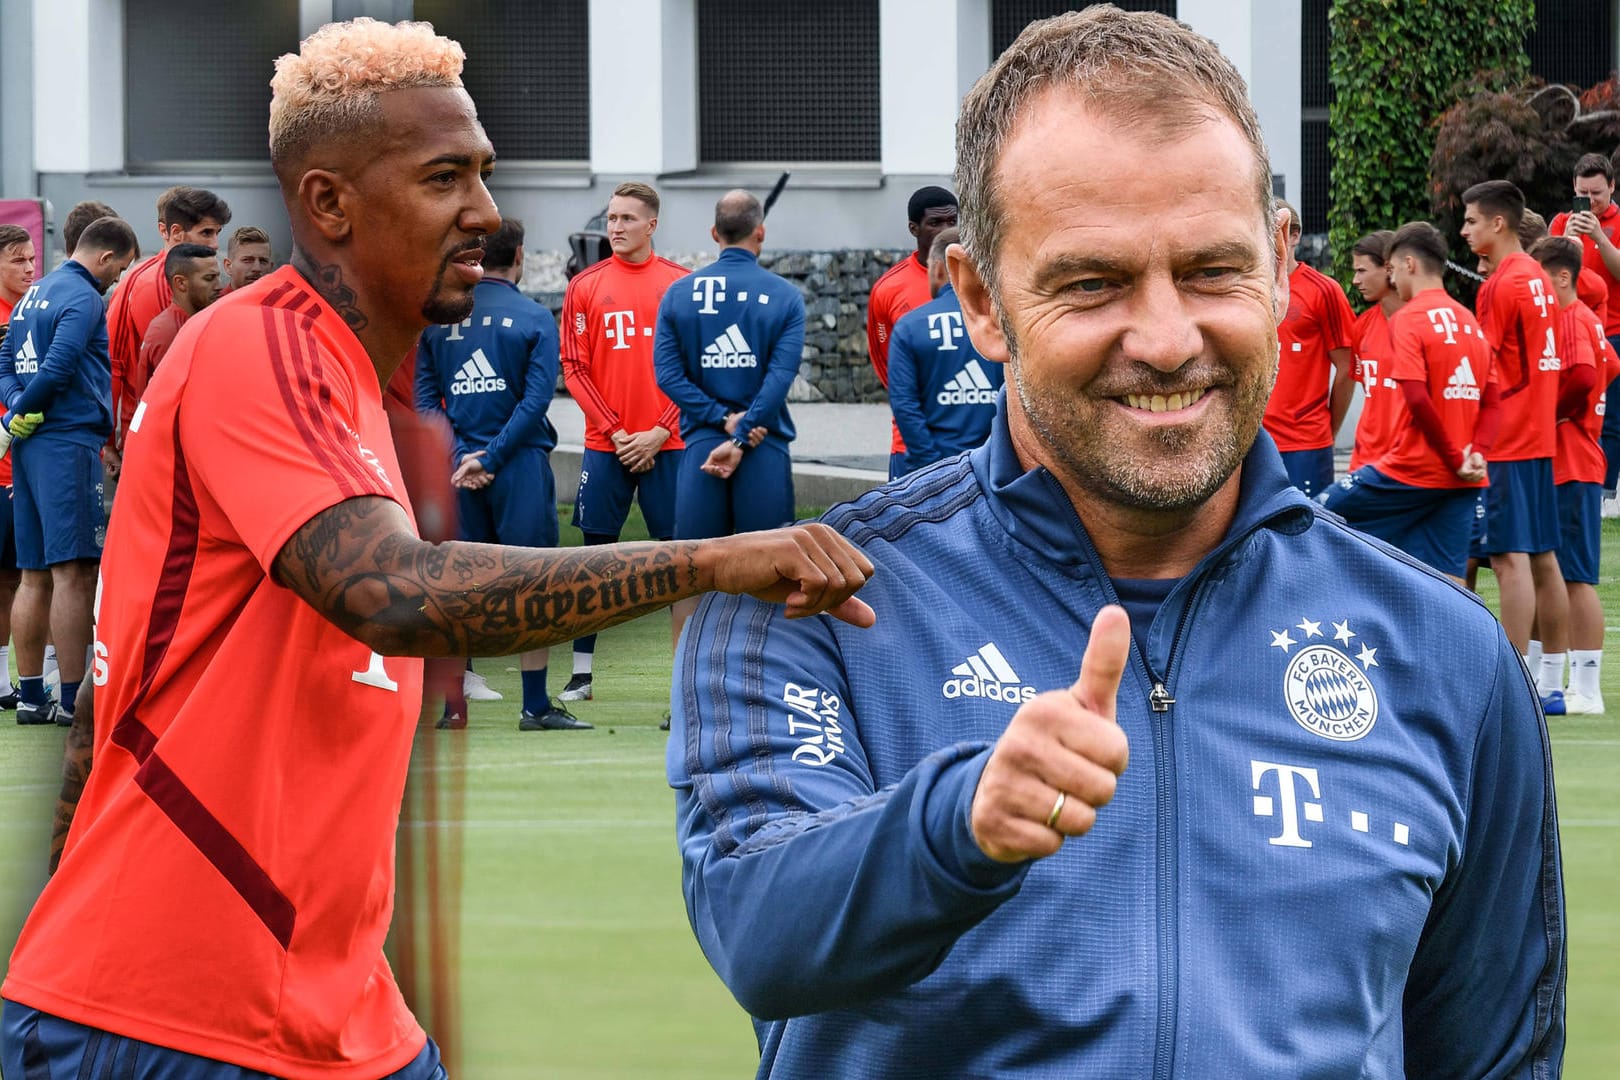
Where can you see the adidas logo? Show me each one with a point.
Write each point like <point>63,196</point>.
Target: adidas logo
<point>1462,386</point>
<point>986,674</point>
<point>969,387</point>
<point>476,377</point>
<point>26,361</point>
<point>729,350</point>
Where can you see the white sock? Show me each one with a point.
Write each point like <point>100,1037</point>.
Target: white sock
<point>582,662</point>
<point>5,669</point>
<point>1532,659</point>
<point>1584,667</point>
<point>1552,673</point>
<point>50,661</point>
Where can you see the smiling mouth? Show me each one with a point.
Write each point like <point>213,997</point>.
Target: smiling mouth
<point>1164,402</point>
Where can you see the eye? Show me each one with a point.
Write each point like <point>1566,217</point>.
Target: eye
<point>1090,285</point>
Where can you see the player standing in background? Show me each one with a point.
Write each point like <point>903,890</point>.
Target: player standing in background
<point>1419,494</point>
<point>186,215</point>
<point>632,431</point>
<point>247,257</point>
<point>1590,366</point>
<point>942,392</point>
<point>727,351</point>
<point>17,263</point>
<point>1519,315</point>
<point>54,362</point>
<point>1373,348</point>
<point>493,375</point>
<point>1314,380</point>
<point>251,737</point>
<point>905,286</point>
<point>79,218</point>
<point>192,271</point>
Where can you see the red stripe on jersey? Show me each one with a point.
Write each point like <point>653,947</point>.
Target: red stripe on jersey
<point>293,381</point>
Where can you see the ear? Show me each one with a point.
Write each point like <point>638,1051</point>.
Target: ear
<point>1280,246</point>
<point>652,226</point>
<point>714,234</point>
<point>978,309</point>
<point>323,196</point>
<point>911,226</point>
<point>759,234</point>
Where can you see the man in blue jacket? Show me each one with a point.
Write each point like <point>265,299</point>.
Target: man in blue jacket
<point>729,341</point>
<point>493,375</point>
<point>1320,862</point>
<point>54,362</point>
<point>942,392</point>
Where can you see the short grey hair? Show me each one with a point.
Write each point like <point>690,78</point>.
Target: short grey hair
<point>1136,67</point>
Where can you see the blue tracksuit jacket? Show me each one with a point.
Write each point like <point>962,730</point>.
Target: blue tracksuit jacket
<point>54,359</point>
<point>941,391</point>
<point>494,374</point>
<point>1333,854</point>
<point>729,339</point>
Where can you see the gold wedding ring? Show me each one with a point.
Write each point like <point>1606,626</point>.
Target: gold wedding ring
<point>1057,808</point>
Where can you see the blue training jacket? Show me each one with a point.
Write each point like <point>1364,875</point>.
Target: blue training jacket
<point>729,339</point>
<point>1334,852</point>
<point>54,359</point>
<point>493,374</point>
<point>941,391</point>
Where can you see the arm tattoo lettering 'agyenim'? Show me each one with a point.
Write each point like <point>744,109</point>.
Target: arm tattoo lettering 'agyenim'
<point>358,565</point>
<point>75,771</point>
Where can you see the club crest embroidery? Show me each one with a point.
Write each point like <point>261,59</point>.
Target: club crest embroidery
<point>1326,686</point>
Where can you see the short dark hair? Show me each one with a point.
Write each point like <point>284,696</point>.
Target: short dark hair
<point>635,189</point>
<point>1556,253</point>
<point>110,234</point>
<point>944,239</point>
<point>179,258</point>
<point>1497,198</point>
<point>1374,246</point>
<point>1595,165</point>
<point>12,235</point>
<point>736,215</point>
<point>189,206</point>
<point>1532,227</point>
<point>1295,226</point>
<point>247,234</point>
<point>928,198</point>
<point>501,246</point>
<point>1422,241</point>
<point>77,218</point>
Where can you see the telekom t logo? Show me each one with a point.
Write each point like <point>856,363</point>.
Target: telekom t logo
<point>1444,322</point>
<point>620,325</point>
<point>1292,801</point>
<point>1538,296</point>
<point>945,327</point>
<point>705,291</point>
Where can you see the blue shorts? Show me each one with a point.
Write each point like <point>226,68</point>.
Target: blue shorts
<point>897,466</point>
<point>606,488</point>
<point>56,502</point>
<point>1310,470</point>
<point>759,495</point>
<point>1476,535</point>
<point>1430,524</point>
<point>1580,530</point>
<point>1521,508</point>
<point>38,1046</point>
<point>1611,417</point>
<point>519,507</point>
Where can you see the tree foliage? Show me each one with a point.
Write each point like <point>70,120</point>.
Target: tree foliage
<point>1395,66</point>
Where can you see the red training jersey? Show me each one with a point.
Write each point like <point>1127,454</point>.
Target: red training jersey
<point>902,287</point>
<point>1319,320</point>
<point>5,462</point>
<point>1518,312</point>
<point>142,294</point>
<point>1438,343</point>
<point>1593,291</point>
<point>608,317</point>
<point>155,346</point>
<point>1382,406</point>
<point>228,879</point>
<point>1592,259</point>
<point>1580,455</point>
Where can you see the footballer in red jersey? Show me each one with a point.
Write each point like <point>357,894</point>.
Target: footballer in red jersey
<point>1373,348</point>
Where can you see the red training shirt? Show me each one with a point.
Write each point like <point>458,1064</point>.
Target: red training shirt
<point>608,317</point>
<point>5,462</point>
<point>1518,312</point>
<point>1593,291</point>
<point>1591,259</point>
<point>155,346</point>
<point>142,294</point>
<point>1319,320</point>
<point>1438,343</point>
<point>1381,406</point>
<point>1580,455</point>
<point>902,287</point>
<point>228,880</point>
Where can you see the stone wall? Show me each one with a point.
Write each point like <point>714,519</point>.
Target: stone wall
<point>834,284</point>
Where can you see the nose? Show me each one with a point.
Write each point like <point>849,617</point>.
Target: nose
<point>482,217</point>
<point>1163,333</point>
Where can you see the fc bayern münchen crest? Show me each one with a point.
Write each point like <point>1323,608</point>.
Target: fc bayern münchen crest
<point>1328,695</point>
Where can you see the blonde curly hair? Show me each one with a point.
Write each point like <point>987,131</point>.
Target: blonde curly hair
<point>330,86</point>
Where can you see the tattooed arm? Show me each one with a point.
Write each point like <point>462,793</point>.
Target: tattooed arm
<point>359,564</point>
<point>75,770</point>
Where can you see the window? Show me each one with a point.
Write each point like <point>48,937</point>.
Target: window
<point>1573,42</point>
<point>197,79</point>
<point>1316,94</point>
<point>797,85</point>
<point>1009,17</point>
<point>528,71</point>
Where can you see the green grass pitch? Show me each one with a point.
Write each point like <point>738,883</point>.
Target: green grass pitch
<point>576,958</point>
